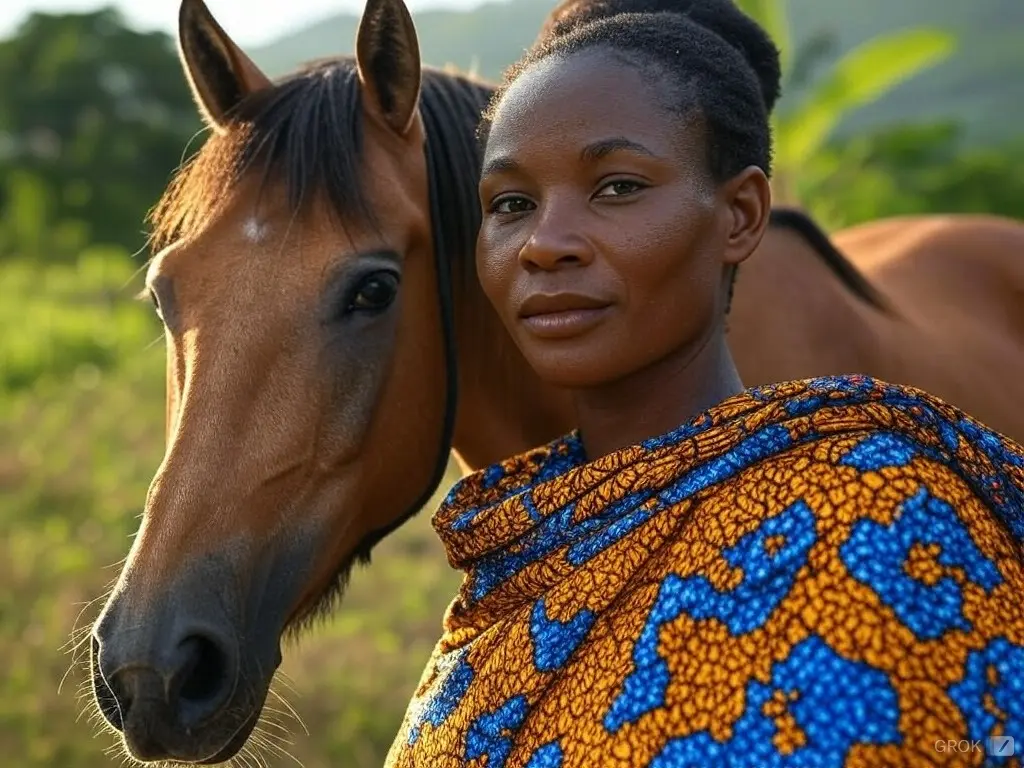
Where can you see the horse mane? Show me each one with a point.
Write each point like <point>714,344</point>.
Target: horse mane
<point>450,106</point>
<point>848,274</point>
<point>306,132</point>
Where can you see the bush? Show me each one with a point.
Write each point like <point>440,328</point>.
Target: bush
<point>913,169</point>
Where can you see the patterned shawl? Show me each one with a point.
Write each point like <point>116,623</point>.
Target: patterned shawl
<point>817,573</point>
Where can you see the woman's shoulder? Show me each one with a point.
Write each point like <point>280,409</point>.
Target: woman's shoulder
<point>859,404</point>
<point>891,419</point>
<point>860,422</point>
<point>489,485</point>
<point>875,427</point>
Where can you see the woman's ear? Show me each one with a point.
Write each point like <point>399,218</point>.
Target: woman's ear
<point>748,197</point>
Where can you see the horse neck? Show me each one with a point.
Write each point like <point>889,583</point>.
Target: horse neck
<point>504,408</point>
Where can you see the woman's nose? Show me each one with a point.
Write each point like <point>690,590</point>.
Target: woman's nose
<point>557,241</point>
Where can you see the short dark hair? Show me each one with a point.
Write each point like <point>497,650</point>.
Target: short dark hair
<point>722,17</point>
<point>710,80</point>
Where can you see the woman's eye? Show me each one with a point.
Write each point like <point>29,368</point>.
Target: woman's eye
<point>374,293</point>
<point>511,204</point>
<point>619,188</point>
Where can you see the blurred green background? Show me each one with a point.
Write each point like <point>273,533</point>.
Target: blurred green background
<point>891,108</point>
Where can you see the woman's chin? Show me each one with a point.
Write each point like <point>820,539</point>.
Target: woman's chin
<point>576,369</point>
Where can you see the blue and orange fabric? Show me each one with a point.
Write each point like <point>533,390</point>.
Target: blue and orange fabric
<point>817,573</point>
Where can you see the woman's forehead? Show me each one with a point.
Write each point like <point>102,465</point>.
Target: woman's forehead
<point>590,90</point>
<point>573,75</point>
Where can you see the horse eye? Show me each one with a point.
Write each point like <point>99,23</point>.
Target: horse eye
<point>374,293</point>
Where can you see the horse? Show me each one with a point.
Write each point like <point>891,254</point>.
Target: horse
<point>328,344</point>
<point>936,302</point>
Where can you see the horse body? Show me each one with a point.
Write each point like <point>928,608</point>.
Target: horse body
<point>959,283</point>
<point>953,271</point>
<point>952,321</point>
<point>322,311</point>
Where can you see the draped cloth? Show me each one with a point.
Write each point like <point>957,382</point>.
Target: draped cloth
<point>815,573</point>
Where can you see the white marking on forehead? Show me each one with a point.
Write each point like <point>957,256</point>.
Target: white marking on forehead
<point>255,231</point>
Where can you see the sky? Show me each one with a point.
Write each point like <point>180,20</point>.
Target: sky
<point>249,22</point>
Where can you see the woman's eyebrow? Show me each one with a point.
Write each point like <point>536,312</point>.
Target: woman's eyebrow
<point>589,154</point>
<point>500,165</point>
<point>598,149</point>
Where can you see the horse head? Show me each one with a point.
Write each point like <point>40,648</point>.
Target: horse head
<point>298,283</point>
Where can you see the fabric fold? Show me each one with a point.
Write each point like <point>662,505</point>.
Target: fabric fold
<point>827,570</point>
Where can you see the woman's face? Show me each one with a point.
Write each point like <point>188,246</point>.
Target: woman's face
<point>605,245</point>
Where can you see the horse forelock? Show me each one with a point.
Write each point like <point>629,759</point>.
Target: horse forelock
<point>305,135</point>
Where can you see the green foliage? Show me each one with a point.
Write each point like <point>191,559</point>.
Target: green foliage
<point>79,396</point>
<point>912,169</point>
<point>77,323</point>
<point>861,76</point>
<point>93,120</point>
<point>771,15</point>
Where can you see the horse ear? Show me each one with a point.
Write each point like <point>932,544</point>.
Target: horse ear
<point>218,71</point>
<point>388,60</point>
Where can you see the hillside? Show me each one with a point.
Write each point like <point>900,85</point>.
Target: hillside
<point>981,84</point>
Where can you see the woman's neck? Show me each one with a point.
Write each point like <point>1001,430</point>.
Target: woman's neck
<point>658,398</point>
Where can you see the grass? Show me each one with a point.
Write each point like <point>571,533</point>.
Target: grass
<point>81,433</point>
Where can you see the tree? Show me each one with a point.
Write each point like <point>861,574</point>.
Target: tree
<point>912,168</point>
<point>861,76</point>
<point>93,120</point>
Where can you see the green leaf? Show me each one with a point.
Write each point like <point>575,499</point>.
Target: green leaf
<point>771,15</point>
<point>860,77</point>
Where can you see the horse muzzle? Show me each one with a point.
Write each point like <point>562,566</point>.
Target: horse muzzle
<point>175,670</point>
<point>179,699</point>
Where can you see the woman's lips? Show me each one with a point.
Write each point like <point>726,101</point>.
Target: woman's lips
<point>562,315</point>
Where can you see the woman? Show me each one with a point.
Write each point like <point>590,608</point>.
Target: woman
<point>817,573</point>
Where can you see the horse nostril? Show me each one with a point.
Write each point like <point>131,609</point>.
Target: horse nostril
<point>204,680</point>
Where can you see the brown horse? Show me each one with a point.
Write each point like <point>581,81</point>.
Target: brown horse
<point>317,288</point>
<point>951,290</point>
